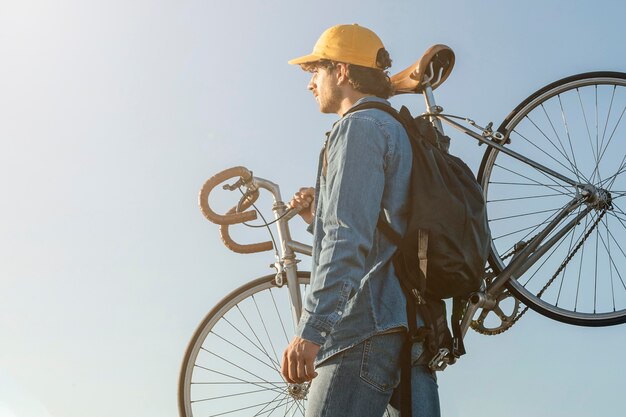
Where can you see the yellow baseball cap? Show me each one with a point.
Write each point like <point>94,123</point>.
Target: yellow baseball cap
<point>351,44</point>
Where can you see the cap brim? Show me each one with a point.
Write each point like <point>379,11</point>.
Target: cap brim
<point>304,59</point>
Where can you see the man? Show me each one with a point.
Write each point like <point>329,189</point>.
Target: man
<point>353,326</point>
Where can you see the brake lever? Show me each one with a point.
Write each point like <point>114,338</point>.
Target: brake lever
<point>234,186</point>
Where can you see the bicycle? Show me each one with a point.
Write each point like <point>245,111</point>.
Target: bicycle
<point>561,255</point>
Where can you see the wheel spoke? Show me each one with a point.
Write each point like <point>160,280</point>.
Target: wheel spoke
<point>615,214</point>
<point>259,347</point>
<point>569,138</point>
<point>534,228</point>
<point>269,338</point>
<point>569,250</point>
<point>551,186</point>
<point>607,246</point>
<point>247,408</point>
<point>621,170</point>
<point>611,138</point>
<point>243,381</point>
<point>284,398</point>
<point>616,242</point>
<point>499,200</point>
<point>553,210</point>
<point>241,368</point>
<point>271,366</point>
<point>580,268</point>
<point>595,276</point>
<point>595,151</point>
<point>525,184</point>
<point>612,260</point>
<point>571,168</point>
<point>235,395</point>
<point>606,123</point>
<point>280,319</point>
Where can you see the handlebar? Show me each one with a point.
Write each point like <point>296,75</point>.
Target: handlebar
<point>236,214</point>
<point>236,247</point>
<point>232,216</point>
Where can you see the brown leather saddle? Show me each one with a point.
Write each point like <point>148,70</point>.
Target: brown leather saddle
<point>431,69</point>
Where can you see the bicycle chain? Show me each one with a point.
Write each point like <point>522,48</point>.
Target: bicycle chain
<point>545,287</point>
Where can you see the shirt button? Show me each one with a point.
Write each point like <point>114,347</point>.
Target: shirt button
<point>323,334</point>
<point>339,313</point>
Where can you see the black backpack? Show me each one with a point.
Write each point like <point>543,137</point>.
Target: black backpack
<point>444,250</point>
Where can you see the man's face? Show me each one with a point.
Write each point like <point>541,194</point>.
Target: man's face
<point>324,87</point>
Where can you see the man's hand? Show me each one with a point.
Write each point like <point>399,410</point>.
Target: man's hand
<point>305,199</point>
<point>298,360</point>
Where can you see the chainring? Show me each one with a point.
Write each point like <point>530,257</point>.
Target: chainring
<point>501,319</point>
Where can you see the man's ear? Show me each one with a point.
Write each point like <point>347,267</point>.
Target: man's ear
<point>341,71</point>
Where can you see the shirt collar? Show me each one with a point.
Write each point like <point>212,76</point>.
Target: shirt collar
<point>370,98</point>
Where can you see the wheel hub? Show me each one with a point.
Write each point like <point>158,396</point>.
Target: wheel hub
<point>598,198</point>
<point>298,391</point>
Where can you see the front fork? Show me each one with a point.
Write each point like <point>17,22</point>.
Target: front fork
<point>287,273</point>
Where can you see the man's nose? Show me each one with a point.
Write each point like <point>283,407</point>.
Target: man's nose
<point>311,84</point>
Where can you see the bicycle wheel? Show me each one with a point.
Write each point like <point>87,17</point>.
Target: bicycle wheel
<point>576,127</point>
<point>232,363</point>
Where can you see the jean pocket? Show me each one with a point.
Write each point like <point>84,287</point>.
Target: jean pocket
<point>380,365</point>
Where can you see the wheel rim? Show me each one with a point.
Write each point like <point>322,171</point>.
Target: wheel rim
<point>232,364</point>
<point>576,127</point>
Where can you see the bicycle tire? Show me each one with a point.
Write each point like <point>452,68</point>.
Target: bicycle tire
<point>572,126</point>
<point>232,363</point>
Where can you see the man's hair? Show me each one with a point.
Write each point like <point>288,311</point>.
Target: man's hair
<point>363,79</point>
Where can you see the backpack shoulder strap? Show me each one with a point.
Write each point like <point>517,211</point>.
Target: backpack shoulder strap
<point>403,116</point>
<point>400,116</point>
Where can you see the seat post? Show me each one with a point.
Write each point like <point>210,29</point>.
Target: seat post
<point>432,108</point>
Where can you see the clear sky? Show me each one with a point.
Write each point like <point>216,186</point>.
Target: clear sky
<point>112,115</point>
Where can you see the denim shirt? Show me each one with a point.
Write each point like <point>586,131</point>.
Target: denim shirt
<point>354,293</point>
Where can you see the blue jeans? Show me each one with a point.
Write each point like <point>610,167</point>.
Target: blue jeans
<point>363,381</point>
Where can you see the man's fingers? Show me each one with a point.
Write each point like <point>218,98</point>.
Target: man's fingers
<point>293,367</point>
<point>302,376</point>
<point>310,370</point>
<point>300,201</point>
<point>284,369</point>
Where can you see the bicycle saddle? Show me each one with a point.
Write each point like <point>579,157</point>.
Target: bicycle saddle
<point>432,68</point>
